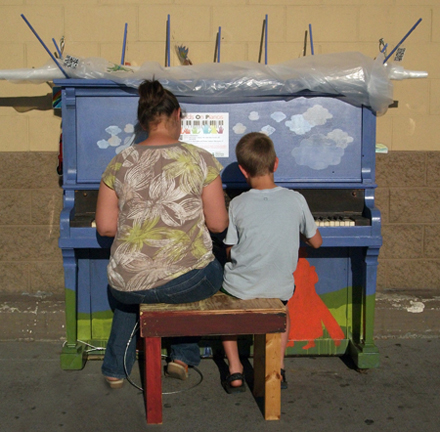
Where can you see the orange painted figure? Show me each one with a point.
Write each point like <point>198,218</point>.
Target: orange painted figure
<point>308,313</point>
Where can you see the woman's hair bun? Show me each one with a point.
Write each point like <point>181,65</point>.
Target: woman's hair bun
<point>154,101</point>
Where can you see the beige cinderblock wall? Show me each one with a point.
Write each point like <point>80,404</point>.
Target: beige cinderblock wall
<point>30,198</point>
<point>95,28</point>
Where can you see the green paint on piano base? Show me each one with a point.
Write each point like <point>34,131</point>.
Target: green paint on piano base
<point>94,326</point>
<point>364,356</point>
<point>92,329</point>
<point>73,357</point>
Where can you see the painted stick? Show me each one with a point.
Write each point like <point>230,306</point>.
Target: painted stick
<point>403,39</point>
<point>44,46</point>
<point>265,42</point>
<point>311,40</point>
<point>305,44</point>
<point>124,45</point>
<point>261,41</point>
<point>167,32</point>
<point>219,43</point>
<point>168,41</point>
<point>216,48</point>
<point>60,55</point>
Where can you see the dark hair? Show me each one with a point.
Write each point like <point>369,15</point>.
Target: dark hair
<point>154,103</point>
<point>256,154</point>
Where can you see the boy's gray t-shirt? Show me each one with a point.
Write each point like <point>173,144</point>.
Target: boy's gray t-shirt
<point>264,228</point>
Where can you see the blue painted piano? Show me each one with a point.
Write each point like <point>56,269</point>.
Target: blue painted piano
<point>326,148</point>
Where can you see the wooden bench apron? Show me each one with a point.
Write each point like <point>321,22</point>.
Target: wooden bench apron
<point>219,315</point>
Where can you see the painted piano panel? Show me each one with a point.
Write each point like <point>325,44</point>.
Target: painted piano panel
<point>316,138</point>
<point>323,143</point>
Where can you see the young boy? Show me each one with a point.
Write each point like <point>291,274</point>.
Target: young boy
<point>262,241</point>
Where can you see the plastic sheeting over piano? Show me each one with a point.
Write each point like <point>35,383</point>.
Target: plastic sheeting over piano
<point>361,79</point>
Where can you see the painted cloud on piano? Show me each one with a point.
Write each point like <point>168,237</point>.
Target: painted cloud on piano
<point>341,138</point>
<point>317,115</point>
<point>319,151</point>
<point>114,140</point>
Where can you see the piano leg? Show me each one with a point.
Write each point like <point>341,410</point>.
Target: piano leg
<point>72,354</point>
<point>365,353</point>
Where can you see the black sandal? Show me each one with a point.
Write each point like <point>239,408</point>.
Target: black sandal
<point>230,389</point>
<point>284,384</point>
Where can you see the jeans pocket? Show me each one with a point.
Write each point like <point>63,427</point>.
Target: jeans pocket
<point>201,290</point>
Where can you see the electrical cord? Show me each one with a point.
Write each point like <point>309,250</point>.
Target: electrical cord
<point>135,329</point>
<point>93,348</point>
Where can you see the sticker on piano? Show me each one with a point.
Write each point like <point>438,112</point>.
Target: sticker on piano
<point>209,131</point>
<point>400,53</point>
<point>71,62</point>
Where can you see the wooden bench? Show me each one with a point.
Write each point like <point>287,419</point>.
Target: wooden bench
<point>218,315</point>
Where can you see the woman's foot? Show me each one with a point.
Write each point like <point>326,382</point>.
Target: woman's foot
<point>114,383</point>
<point>177,369</point>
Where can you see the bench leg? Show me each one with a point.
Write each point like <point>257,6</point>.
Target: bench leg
<point>267,377</point>
<point>153,379</point>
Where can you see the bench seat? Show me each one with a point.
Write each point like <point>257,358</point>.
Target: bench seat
<point>216,316</point>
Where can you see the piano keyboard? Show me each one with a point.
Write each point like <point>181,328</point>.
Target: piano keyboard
<point>334,221</point>
<point>320,221</point>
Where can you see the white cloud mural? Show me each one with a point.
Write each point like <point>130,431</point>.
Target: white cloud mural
<point>305,122</point>
<point>239,128</point>
<point>129,128</point>
<point>299,124</point>
<point>268,130</point>
<point>113,130</point>
<point>317,115</point>
<point>254,116</point>
<point>320,151</point>
<point>341,138</point>
<point>278,116</point>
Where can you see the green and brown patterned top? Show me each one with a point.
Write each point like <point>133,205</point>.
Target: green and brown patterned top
<point>161,231</point>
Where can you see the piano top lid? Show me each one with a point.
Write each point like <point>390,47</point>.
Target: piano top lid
<point>362,80</point>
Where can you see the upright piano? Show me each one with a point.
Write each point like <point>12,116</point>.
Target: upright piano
<point>326,148</point>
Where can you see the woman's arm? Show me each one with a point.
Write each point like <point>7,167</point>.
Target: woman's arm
<point>214,207</point>
<point>107,211</point>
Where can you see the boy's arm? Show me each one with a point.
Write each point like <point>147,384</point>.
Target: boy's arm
<point>315,241</point>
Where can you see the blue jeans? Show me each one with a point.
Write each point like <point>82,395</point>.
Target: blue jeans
<point>193,286</point>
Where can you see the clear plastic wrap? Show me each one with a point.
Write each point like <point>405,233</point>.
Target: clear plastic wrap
<point>360,79</point>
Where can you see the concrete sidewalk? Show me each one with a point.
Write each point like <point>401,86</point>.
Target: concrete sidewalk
<point>325,394</point>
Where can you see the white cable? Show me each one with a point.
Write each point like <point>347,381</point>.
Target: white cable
<point>135,328</point>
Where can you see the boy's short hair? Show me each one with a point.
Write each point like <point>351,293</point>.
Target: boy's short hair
<point>256,154</point>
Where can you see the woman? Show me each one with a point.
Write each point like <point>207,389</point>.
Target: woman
<point>159,199</point>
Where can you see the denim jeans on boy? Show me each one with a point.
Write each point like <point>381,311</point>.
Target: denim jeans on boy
<point>193,286</point>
